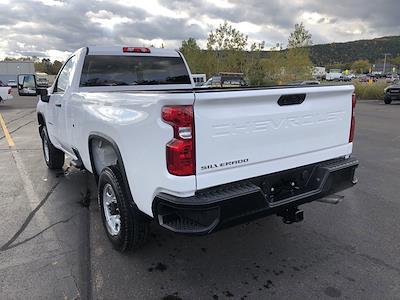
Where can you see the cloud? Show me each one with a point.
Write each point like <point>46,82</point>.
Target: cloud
<point>55,28</point>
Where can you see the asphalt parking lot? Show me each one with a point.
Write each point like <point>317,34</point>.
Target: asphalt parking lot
<point>52,247</point>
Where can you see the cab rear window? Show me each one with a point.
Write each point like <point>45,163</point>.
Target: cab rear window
<point>114,70</point>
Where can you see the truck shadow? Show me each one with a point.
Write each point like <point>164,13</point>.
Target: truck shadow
<point>249,260</point>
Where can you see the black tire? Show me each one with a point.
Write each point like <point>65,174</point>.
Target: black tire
<point>387,100</point>
<point>55,157</point>
<point>134,227</point>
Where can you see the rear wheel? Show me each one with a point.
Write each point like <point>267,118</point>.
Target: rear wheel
<point>126,227</point>
<point>387,100</point>
<point>53,157</point>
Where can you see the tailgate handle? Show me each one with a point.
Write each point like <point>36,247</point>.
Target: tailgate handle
<point>291,99</point>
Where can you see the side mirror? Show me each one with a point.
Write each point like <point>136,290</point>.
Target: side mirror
<point>44,97</point>
<point>27,85</point>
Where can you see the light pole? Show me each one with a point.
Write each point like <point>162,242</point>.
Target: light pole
<point>384,63</point>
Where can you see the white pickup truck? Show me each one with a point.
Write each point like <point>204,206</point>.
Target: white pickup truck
<point>193,160</point>
<point>5,93</point>
<point>334,75</point>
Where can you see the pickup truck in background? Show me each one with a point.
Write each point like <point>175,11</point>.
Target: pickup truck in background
<point>12,83</point>
<point>392,92</point>
<point>334,75</point>
<point>225,79</point>
<point>5,93</point>
<point>193,160</point>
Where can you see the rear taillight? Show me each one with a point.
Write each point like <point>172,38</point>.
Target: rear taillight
<point>353,118</point>
<point>180,150</point>
<point>9,91</point>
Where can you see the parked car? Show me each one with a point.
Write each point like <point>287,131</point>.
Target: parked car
<point>199,79</point>
<point>305,82</point>
<point>345,78</point>
<point>42,82</point>
<point>367,78</point>
<point>392,78</point>
<point>363,78</point>
<point>348,77</point>
<point>192,160</point>
<point>377,74</point>
<point>12,83</point>
<point>319,73</point>
<point>5,93</point>
<point>225,79</point>
<point>392,92</point>
<point>334,75</point>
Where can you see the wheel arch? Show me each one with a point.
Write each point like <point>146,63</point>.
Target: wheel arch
<point>110,144</point>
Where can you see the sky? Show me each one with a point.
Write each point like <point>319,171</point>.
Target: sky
<point>55,28</point>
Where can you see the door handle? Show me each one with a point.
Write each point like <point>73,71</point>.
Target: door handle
<point>58,105</point>
<point>291,99</point>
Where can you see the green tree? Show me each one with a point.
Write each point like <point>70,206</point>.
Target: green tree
<point>228,45</point>
<point>56,66</point>
<point>226,37</point>
<point>189,45</point>
<point>340,66</point>
<point>39,67</point>
<point>361,66</point>
<point>255,72</point>
<point>396,61</point>
<point>298,64</point>
<point>46,66</point>
<point>300,37</point>
<point>9,59</point>
<point>193,55</point>
<point>274,67</point>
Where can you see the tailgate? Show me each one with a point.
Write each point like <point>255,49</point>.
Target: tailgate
<point>244,134</point>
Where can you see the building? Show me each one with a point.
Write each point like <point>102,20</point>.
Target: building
<point>389,68</point>
<point>10,69</point>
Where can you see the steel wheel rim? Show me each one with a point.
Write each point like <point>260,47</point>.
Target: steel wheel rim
<point>46,150</point>
<point>111,210</point>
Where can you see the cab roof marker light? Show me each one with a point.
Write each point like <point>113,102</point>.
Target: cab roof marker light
<point>135,50</point>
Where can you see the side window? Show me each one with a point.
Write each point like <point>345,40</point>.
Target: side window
<point>65,77</point>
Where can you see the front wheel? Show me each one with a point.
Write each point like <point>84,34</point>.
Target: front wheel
<point>387,100</point>
<point>53,157</point>
<point>126,227</point>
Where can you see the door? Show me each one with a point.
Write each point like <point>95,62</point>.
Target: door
<point>59,105</point>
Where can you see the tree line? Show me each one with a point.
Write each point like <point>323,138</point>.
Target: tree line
<point>228,50</point>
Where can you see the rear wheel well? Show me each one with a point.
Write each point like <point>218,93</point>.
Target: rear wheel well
<point>102,154</point>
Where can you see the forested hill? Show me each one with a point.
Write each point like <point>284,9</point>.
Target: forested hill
<point>342,53</point>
